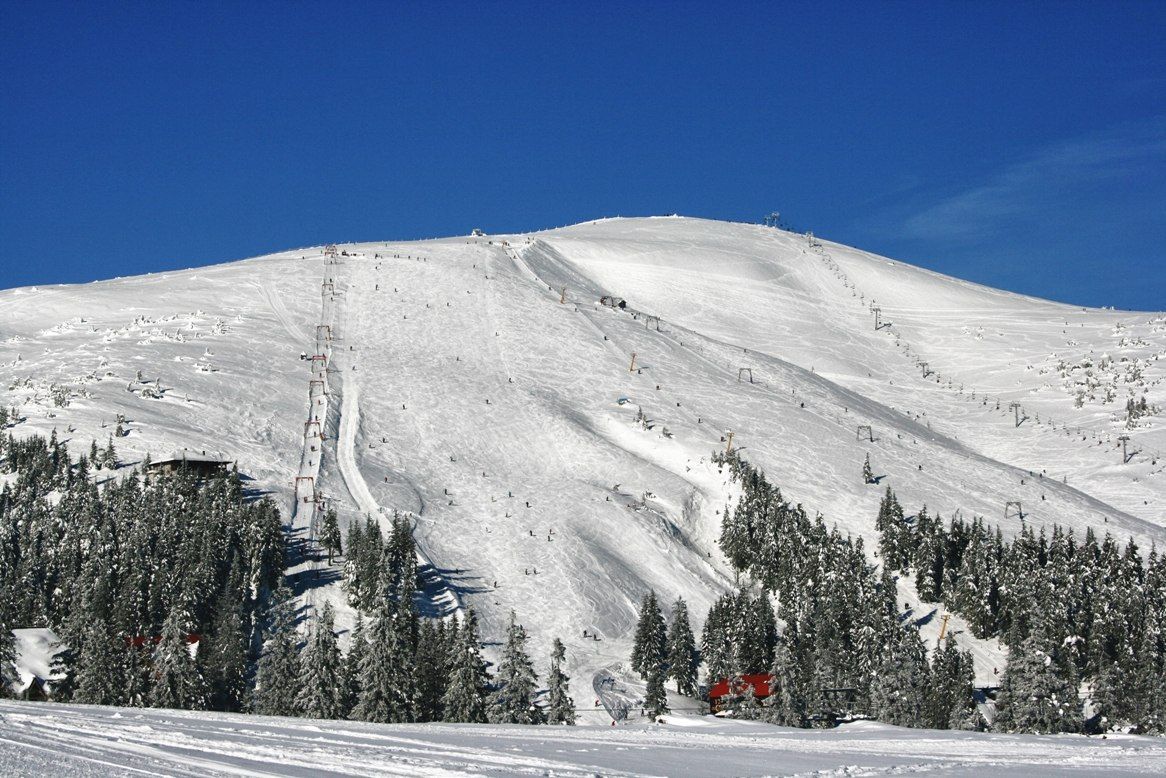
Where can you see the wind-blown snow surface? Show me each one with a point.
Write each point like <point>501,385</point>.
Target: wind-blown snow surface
<point>476,383</point>
<point>78,740</point>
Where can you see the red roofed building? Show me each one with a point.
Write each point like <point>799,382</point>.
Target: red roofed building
<point>726,691</point>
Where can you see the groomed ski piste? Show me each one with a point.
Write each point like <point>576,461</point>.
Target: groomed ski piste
<point>480,387</point>
<point>79,740</point>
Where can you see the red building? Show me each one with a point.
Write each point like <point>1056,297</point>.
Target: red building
<point>726,691</point>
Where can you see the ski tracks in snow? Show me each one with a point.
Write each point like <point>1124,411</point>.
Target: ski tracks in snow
<point>358,487</point>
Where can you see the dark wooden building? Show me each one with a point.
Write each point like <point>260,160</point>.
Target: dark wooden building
<point>200,464</point>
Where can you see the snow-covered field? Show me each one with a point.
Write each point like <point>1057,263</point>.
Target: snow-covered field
<point>478,384</point>
<point>74,740</point>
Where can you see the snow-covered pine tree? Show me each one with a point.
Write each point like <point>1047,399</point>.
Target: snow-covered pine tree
<point>897,694</point>
<point>432,663</point>
<point>401,558</point>
<point>560,706</point>
<point>357,648</point>
<point>7,647</point>
<point>650,646</point>
<point>277,678</point>
<point>100,675</point>
<point>788,697</point>
<point>1110,697</point>
<point>867,473</point>
<point>949,700</point>
<point>930,557</point>
<point>716,648</point>
<point>891,526</point>
<point>748,706</point>
<point>1035,694</point>
<point>736,534</point>
<point>321,694</point>
<point>465,697</point>
<point>177,681</point>
<point>656,698</point>
<point>516,685</point>
<point>330,535</point>
<point>223,655</point>
<point>387,680</point>
<point>135,680</point>
<point>682,657</point>
<point>63,671</point>
<point>354,565</point>
<point>757,632</point>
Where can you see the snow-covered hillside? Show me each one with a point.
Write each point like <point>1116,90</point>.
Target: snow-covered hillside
<point>479,385</point>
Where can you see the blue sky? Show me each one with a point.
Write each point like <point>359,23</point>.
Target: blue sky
<point>1019,144</point>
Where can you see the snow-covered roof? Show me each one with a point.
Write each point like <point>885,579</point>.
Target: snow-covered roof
<point>192,457</point>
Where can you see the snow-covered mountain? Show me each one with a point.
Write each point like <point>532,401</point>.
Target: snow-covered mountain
<point>554,451</point>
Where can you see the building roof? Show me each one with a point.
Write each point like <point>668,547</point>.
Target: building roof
<point>192,458</point>
<point>737,685</point>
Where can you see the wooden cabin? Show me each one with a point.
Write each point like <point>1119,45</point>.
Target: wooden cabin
<point>201,465</point>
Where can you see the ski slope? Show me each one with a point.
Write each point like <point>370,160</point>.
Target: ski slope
<point>478,386</point>
<point>38,739</point>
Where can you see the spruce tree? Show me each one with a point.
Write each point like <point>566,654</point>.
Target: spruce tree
<point>560,706</point>
<point>897,694</point>
<point>867,473</point>
<point>716,648</point>
<point>747,705</point>
<point>223,655</point>
<point>682,657</point>
<point>330,535</point>
<point>357,648</point>
<point>949,700</point>
<point>100,675</point>
<point>387,693</point>
<point>1036,695</point>
<point>513,700</point>
<point>789,703</point>
<point>656,699</point>
<point>63,671</point>
<point>354,569</point>
<point>321,694</point>
<point>177,681</point>
<point>277,678</point>
<point>7,653</point>
<point>135,680</point>
<point>1111,698</point>
<point>465,697</point>
<point>432,662</point>
<point>650,645</point>
<point>930,558</point>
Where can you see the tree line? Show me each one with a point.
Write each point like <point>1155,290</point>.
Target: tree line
<point>114,569</point>
<point>132,574</point>
<point>843,649</point>
<point>1079,617</point>
<point>1076,617</point>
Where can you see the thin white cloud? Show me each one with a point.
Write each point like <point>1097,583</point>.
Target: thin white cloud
<point>1025,189</point>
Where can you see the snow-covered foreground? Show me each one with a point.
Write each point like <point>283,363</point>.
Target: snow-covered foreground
<point>74,740</point>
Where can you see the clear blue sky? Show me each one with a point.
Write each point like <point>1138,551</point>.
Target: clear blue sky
<point>1017,144</point>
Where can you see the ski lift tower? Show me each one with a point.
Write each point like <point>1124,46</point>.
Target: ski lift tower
<point>1126,455</point>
